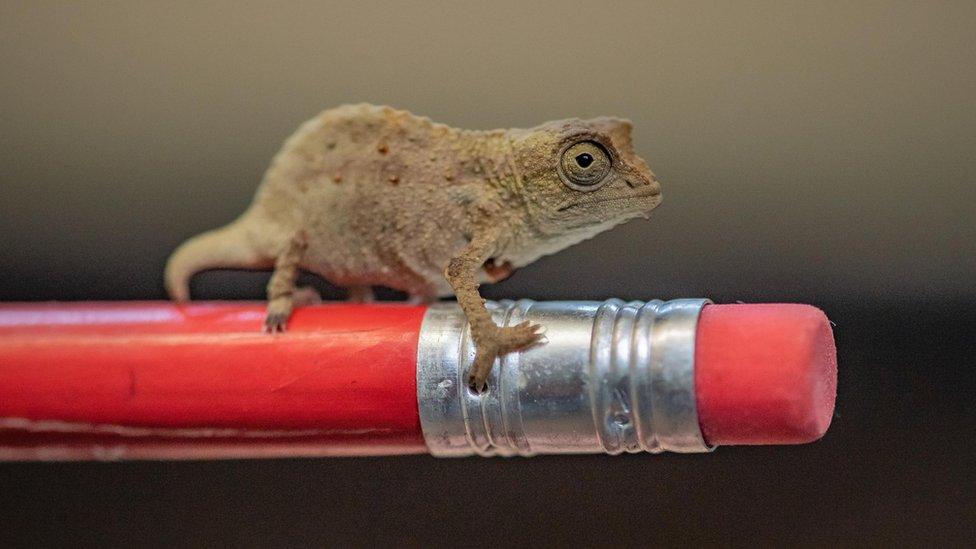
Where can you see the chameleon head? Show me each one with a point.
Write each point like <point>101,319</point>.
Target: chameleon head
<point>583,173</point>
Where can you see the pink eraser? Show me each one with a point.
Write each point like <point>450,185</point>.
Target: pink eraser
<point>764,374</point>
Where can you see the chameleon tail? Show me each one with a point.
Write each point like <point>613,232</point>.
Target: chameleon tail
<point>232,246</point>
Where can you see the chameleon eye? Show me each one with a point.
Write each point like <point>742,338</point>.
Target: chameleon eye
<point>584,165</point>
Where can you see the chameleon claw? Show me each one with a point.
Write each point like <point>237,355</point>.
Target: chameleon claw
<point>523,334</point>
<point>275,323</point>
<point>479,386</point>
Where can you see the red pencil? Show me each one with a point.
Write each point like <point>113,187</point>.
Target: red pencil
<point>153,380</point>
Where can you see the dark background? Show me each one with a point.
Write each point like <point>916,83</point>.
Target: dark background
<point>810,152</point>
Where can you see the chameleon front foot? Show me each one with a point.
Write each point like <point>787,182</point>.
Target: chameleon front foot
<point>497,341</point>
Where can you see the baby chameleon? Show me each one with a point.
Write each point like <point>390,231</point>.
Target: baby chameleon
<point>372,196</point>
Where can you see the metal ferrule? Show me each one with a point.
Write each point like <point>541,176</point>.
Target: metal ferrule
<point>609,377</point>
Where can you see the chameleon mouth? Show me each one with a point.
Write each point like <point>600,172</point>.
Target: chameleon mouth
<point>643,194</point>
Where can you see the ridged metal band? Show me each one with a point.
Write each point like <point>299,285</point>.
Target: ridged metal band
<point>610,377</point>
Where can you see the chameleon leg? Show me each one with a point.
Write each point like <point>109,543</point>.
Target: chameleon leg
<point>498,272</point>
<point>490,340</point>
<point>361,294</point>
<point>281,287</point>
<point>421,299</point>
<point>306,295</point>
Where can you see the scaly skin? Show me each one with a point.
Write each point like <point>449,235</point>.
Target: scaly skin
<point>371,196</point>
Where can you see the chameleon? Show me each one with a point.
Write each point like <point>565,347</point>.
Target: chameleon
<point>366,196</point>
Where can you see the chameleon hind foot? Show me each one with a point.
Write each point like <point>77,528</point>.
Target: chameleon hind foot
<point>278,312</point>
<point>281,307</point>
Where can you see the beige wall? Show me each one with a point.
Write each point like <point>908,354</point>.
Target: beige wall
<point>809,151</point>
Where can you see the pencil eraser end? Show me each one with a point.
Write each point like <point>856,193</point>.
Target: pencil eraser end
<point>764,373</point>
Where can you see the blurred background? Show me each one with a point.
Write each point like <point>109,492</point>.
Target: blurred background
<point>810,152</point>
